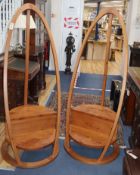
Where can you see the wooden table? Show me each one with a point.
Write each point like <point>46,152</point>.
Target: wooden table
<point>99,49</point>
<point>96,50</point>
<point>37,55</point>
<point>16,67</point>
<point>118,42</point>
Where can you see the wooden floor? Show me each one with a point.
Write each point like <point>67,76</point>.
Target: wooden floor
<point>44,94</point>
<point>97,66</point>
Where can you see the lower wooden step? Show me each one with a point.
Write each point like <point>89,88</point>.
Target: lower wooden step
<point>34,140</point>
<point>89,137</point>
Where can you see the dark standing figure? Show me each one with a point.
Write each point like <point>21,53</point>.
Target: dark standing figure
<point>70,48</point>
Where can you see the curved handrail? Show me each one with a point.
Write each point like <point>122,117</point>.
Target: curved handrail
<point>27,7</point>
<point>102,13</point>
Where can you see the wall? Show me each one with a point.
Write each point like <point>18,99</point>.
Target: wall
<point>132,25</point>
<point>48,11</point>
<point>63,9</point>
<point>56,28</point>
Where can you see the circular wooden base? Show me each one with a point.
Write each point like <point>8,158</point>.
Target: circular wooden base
<point>87,160</point>
<point>11,160</point>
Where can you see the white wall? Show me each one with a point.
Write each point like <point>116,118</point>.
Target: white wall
<point>59,10</point>
<point>48,11</point>
<point>75,12</point>
<point>56,28</point>
<point>133,27</point>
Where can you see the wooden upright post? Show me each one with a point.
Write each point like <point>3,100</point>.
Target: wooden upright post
<point>106,58</point>
<point>27,57</point>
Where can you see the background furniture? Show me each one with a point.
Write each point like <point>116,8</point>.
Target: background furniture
<point>89,51</point>
<point>94,49</point>
<point>128,110</point>
<point>16,69</point>
<point>132,166</point>
<point>118,45</point>
<point>116,87</point>
<point>134,57</point>
<point>37,55</point>
<point>134,84</point>
<point>99,49</point>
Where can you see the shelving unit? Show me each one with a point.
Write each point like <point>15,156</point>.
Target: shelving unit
<point>116,40</point>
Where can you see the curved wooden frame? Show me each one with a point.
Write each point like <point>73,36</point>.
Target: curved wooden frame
<point>102,158</point>
<point>16,161</point>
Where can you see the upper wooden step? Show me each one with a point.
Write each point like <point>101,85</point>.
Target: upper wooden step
<point>91,125</point>
<point>96,110</point>
<point>27,111</point>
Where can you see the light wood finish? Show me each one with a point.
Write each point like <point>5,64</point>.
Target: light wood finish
<point>89,52</point>
<point>30,127</point>
<point>91,161</point>
<point>95,125</point>
<point>118,42</point>
<point>27,57</point>
<point>107,54</point>
<point>98,46</point>
<point>84,117</point>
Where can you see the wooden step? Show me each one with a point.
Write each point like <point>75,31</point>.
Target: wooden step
<point>90,138</point>
<point>35,140</point>
<point>93,117</point>
<point>29,111</point>
<point>33,127</point>
<point>31,118</point>
<point>96,111</point>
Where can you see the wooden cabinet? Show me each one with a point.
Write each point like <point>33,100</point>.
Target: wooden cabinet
<point>135,135</point>
<point>134,83</point>
<point>128,110</point>
<point>16,83</point>
<point>38,56</point>
<point>135,57</point>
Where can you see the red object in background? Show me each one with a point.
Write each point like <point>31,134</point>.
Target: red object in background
<point>46,50</point>
<point>46,53</point>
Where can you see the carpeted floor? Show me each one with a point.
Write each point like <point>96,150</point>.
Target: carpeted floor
<point>92,83</point>
<point>66,165</point>
<point>86,83</point>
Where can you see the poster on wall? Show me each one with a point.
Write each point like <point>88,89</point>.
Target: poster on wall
<point>72,14</point>
<point>71,23</point>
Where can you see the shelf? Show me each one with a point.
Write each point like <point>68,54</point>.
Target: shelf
<point>87,20</point>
